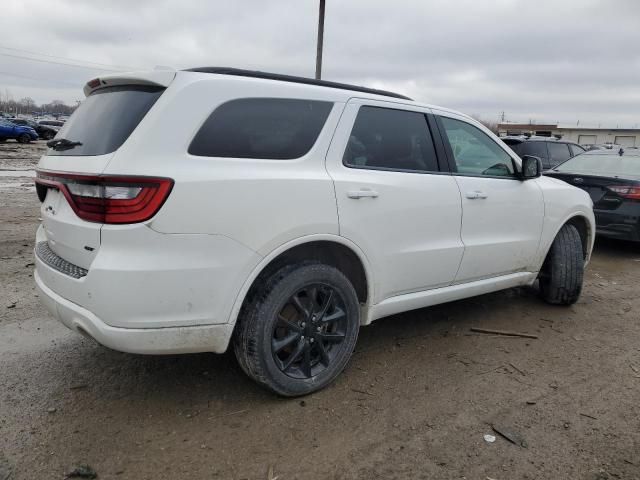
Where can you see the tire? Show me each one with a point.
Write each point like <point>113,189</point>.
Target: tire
<point>563,269</point>
<point>288,347</point>
<point>48,135</point>
<point>24,138</point>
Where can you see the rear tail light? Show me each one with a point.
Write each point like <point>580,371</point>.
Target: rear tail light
<point>108,199</point>
<point>627,191</point>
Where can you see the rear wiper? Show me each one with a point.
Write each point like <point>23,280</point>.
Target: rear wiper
<point>62,144</point>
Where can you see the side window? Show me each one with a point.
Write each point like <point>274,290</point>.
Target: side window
<point>558,152</point>
<point>264,128</point>
<point>537,149</point>
<point>474,152</point>
<point>576,149</point>
<point>384,138</point>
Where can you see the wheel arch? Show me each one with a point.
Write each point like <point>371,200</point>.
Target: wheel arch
<point>330,249</point>
<point>585,228</point>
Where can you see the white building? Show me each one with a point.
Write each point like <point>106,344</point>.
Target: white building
<point>583,135</point>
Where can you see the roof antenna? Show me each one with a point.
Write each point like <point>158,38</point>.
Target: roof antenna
<point>621,152</point>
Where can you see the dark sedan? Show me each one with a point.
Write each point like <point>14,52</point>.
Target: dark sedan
<point>43,131</point>
<point>612,179</point>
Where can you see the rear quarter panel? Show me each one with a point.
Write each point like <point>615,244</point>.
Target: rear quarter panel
<point>259,203</point>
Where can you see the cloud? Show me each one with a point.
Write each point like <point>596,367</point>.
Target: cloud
<point>544,60</point>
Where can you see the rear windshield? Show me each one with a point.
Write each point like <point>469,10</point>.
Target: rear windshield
<point>106,118</point>
<point>610,165</point>
<point>516,146</point>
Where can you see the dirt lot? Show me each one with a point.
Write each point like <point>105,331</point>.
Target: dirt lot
<point>415,402</point>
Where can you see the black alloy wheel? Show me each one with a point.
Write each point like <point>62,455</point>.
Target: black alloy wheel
<point>298,329</point>
<point>310,327</point>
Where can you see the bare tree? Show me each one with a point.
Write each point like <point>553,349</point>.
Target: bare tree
<point>490,124</point>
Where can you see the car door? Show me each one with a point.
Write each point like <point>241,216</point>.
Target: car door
<point>393,200</point>
<point>502,215</point>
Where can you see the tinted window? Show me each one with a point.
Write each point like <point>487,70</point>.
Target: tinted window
<point>474,152</point>
<point>537,149</point>
<point>106,119</point>
<point>558,152</point>
<point>384,138</point>
<point>265,128</point>
<point>576,149</point>
<point>613,164</point>
<point>516,146</point>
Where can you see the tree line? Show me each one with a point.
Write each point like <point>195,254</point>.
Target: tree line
<point>27,105</point>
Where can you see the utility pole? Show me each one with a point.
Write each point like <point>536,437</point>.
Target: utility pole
<point>320,40</point>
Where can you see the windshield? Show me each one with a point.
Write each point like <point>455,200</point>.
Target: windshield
<point>610,165</point>
<point>103,122</point>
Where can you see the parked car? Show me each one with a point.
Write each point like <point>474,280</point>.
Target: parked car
<point>53,124</point>
<point>43,131</point>
<point>21,133</point>
<point>551,151</point>
<point>281,214</point>
<point>612,179</point>
<point>603,146</point>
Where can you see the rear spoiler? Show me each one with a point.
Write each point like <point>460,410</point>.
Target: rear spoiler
<point>160,78</point>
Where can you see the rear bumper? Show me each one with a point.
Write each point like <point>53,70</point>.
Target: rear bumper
<point>141,279</point>
<point>206,338</point>
<point>618,225</point>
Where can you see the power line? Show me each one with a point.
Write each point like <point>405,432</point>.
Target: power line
<point>59,63</point>
<point>61,82</point>
<point>123,67</point>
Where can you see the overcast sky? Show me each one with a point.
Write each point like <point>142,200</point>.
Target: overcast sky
<point>566,61</point>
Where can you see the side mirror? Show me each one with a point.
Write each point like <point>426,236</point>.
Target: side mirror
<point>531,167</point>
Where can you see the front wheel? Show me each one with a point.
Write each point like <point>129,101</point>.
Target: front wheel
<point>298,332</point>
<point>24,138</point>
<point>563,269</point>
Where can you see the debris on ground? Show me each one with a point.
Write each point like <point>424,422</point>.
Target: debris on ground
<point>12,305</point>
<point>509,434</point>
<point>82,471</point>
<point>5,468</point>
<point>506,333</point>
<point>52,410</point>
<point>489,438</point>
<point>530,402</point>
<point>517,370</point>
<point>588,416</point>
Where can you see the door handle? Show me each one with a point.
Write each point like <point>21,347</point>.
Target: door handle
<point>475,195</point>
<point>362,193</point>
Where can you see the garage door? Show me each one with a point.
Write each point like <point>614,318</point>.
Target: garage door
<point>626,141</point>
<point>587,139</point>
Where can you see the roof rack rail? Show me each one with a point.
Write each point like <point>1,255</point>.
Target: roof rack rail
<point>290,78</point>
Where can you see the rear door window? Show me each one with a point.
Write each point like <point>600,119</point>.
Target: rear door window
<point>558,152</point>
<point>390,139</point>
<point>576,149</point>
<point>106,118</point>
<point>262,128</point>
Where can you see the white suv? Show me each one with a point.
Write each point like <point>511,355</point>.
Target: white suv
<point>184,211</point>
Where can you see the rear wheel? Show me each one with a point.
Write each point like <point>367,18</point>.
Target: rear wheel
<point>300,329</point>
<point>24,138</point>
<point>563,269</point>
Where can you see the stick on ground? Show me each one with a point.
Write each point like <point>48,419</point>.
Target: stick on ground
<point>502,332</point>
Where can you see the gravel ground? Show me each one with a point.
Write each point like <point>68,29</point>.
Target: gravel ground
<point>415,401</point>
